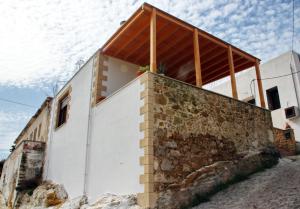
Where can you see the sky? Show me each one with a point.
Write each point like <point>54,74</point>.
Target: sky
<point>42,43</point>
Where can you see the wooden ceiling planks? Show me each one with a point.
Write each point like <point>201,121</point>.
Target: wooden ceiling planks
<point>174,45</point>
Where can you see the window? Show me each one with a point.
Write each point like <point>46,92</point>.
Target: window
<point>273,98</point>
<point>39,132</point>
<point>34,134</point>
<point>62,110</point>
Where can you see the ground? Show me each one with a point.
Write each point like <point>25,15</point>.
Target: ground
<point>278,187</point>
<point>275,188</point>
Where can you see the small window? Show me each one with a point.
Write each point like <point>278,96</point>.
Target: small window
<point>34,135</point>
<point>31,136</point>
<point>39,132</point>
<point>62,110</point>
<point>273,98</point>
<point>287,135</point>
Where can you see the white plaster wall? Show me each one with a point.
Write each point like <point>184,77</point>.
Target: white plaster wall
<point>113,146</point>
<point>273,68</point>
<point>119,74</point>
<point>66,152</point>
<point>114,152</point>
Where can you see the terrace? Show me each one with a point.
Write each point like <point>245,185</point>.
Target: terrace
<point>153,37</point>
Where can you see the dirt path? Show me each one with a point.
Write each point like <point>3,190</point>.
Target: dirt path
<point>275,188</point>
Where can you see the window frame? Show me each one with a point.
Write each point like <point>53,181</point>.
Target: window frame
<point>60,101</point>
<point>273,99</point>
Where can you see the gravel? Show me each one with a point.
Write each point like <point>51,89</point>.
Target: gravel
<point>275,188</point>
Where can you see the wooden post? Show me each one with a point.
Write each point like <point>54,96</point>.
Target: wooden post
<point>232,73</point>
<point>197,59</point>
<point>259,84</point>
<point>153,65</point>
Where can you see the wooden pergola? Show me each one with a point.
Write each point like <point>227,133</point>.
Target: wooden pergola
<point>151,36</point>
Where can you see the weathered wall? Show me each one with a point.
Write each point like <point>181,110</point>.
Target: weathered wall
<point>24,164</point>
<point>285,141</point>
<point>37,128</point>
<point>191,128</point>
<point>9,175</point>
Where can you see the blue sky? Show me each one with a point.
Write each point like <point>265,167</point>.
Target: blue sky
<point>41,41</point>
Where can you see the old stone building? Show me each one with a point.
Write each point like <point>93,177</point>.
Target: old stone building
<point>38,126</point>
<point>23,167</point>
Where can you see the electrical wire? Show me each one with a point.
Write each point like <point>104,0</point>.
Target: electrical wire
<point>269,78</point>
<point>18,103</point>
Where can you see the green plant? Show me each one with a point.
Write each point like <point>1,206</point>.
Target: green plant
<point>161,68</point>
<point>144,68</point>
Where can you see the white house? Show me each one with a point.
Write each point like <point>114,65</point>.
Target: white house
<point>114,130</point>
<point>281,83</point>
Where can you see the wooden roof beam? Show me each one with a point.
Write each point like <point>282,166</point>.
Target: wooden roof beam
<point>185,59</point>
<point>160,39</point>
<point>170,56</point>
<point>187,26</point>
<point>218,76</point>
<point>177,42</point>
<point>132,39</point>
<point>238,62</point>
<point>121,30</point>
<point>243,54</point>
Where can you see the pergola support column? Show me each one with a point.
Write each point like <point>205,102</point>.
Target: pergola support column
<point>153,64</point>
<point>197,58</point>
<point>259,85</point>
<point>232,73</point>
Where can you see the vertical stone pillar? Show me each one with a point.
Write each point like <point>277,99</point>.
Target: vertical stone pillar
<point>147,199</point>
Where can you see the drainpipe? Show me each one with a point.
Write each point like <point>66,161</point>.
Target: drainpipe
<point>293,73</point>
<point>88,135</point>
<point>51,128</point>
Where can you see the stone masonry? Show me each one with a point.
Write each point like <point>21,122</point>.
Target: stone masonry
<point>22,171</point>
<point>193,132</point>
<point>285,141</point>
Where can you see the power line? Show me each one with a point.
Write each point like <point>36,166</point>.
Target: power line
<point>269,78</point>
<point>18,103</point>
<point>293,23</point>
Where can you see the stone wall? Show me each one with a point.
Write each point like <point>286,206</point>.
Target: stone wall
<point>190,128</point>
<point>285,141</point>
<point>22,169</point>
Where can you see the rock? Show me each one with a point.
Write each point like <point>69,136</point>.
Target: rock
<point>75,203</point>
<point>44,196</point>
<point>166,165</point>
<point>208,179</point>
<point>111,201</point>
<point>171,144</point>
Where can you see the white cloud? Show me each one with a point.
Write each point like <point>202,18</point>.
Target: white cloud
<point>11,124</point>
<point>42,40</point>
